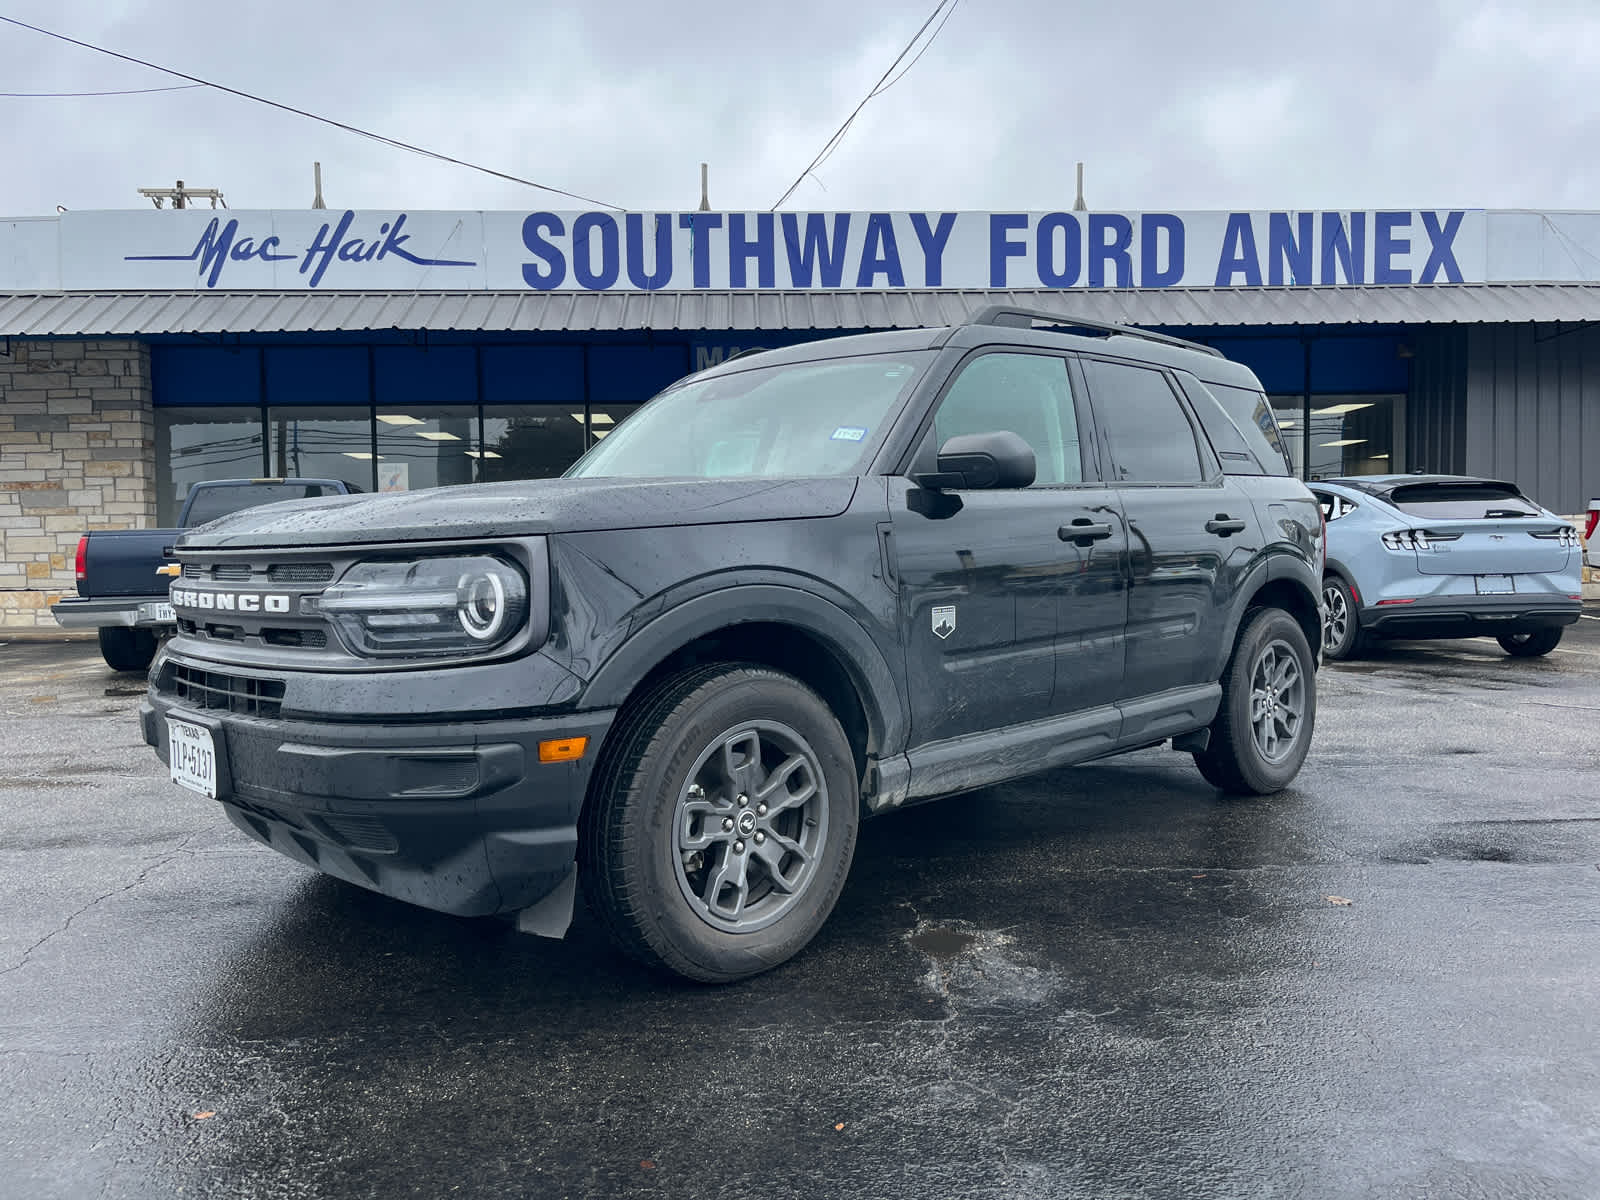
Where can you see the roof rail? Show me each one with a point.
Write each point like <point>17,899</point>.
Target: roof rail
<point>1026,318</point>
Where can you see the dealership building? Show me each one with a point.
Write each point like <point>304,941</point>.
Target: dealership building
<point>144,351</point>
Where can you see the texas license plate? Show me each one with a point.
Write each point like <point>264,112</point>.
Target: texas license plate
<point>159,612</point>
<point>1494,585</point>
<point>192,757</point>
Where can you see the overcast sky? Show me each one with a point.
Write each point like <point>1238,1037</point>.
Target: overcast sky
<point>1172,104</point>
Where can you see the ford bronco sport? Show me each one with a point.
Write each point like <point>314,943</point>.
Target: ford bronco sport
<point>800,588</point>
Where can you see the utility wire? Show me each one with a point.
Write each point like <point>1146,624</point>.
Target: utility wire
<point>182,87</point>
<point>884,87</point>
<point>877,89</point>
<point>932,37</point>
<point>300,112</point>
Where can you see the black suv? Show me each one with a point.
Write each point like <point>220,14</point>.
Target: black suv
<point>803,587</point>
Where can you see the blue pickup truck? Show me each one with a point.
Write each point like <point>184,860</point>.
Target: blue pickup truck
<point>123,574</point>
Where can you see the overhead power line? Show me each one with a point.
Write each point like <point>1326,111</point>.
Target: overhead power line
<point>884,84</point>
<point>300,112</point>
<point>179,87</point>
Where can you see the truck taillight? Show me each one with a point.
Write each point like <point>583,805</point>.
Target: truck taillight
<point>1594,519</point>
<point>81,559</point>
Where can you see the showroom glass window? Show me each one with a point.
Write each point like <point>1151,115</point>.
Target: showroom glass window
<point>197,444</point>
<point>426,447</point>
<point>1353,435</point>
<point>322,443</point>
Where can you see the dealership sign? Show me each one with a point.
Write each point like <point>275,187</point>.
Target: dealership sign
<point>542,251</point>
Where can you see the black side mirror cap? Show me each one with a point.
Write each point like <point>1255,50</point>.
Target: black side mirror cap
<point>981,460</point>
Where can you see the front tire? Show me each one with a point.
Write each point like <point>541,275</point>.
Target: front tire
<point>1530,645</point>
<point>721,824</point>
<point>1263,727</point>
<point>1342,636</point>
<point>127,649</point>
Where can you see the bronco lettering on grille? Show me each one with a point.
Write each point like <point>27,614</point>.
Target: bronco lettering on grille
<point>245,602</point>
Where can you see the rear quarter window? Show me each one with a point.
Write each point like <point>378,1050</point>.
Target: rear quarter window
<point>1333,507</point>
<point>1252,415</point>
<point>1462,501</point>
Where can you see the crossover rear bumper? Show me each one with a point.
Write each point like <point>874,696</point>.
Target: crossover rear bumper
<point>1471,616</point>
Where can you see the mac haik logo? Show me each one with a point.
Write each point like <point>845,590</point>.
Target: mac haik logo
<point>222,244</point>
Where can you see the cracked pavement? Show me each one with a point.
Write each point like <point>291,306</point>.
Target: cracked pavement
<point>1104,981</point>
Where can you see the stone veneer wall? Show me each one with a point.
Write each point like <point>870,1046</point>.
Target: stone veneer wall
<point>77,452</point>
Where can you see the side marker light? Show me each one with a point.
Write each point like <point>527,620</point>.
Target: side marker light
<point>563,749</point>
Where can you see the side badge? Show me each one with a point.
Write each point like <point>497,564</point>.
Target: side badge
<point>944,620</point>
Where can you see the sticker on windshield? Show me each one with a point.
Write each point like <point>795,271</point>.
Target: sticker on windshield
<point>849,433</point>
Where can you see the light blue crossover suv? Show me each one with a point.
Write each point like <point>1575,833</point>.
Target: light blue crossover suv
<point>1444,556</point>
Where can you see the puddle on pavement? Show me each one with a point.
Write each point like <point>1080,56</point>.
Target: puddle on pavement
<point>940,941</point>
<point>1514,843</point>
<point>979,969</point>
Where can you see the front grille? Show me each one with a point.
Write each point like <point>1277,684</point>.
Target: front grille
<point>300,573</point>
<point>362,833</point>
<point>276,573</point>
<point>243,695</point>
<point>309,639</point>
<point>248,572</point>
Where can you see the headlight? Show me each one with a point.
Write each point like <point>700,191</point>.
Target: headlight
<point>428,607</point>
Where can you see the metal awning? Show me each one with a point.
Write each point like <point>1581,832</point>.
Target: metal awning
<point>103,314</point>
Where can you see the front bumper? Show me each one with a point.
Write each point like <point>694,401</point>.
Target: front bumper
<point>460,817</point>
<point>1471,615</point>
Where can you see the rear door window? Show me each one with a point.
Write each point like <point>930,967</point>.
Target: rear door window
<point>1462,501</point>
<point>1146,429</point>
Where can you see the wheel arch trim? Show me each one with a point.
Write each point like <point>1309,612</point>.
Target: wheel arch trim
<point>1274,571</point>
<point>877,687</point>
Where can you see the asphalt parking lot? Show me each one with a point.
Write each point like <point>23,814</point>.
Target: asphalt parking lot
<point>1103,982</point>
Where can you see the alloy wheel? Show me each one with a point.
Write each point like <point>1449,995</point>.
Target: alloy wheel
<point>1336,619</point>
<point>749,826</point>
<point>1277,701</point>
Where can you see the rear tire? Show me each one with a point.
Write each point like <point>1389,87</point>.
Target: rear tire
<point>1342,635</point>
<point>1530,645</point>
<point>721,823</point>
<point>1263,727</point>
<point>126,649</point>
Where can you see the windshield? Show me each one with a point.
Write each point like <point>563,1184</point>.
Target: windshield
<point>806,418</point>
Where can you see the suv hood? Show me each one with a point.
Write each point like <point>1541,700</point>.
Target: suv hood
<point>523,508</point>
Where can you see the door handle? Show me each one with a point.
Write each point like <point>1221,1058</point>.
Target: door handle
<point>1083,531</point>
<point>1223,525</point>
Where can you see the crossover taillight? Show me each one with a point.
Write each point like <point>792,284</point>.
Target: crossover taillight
<point>1565,535</point>
<point>1594,519</point>
<point>1406,539</point>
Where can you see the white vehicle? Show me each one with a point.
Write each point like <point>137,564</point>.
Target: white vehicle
<point>1593,557</point>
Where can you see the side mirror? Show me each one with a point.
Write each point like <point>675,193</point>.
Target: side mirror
<point>981,460</point>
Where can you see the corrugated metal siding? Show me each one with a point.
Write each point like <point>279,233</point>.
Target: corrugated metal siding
<point>1436,407</point>
<point>95,314</point>
<point>1533,410</point>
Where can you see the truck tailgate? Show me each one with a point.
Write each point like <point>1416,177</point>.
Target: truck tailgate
<point>123,562</point>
